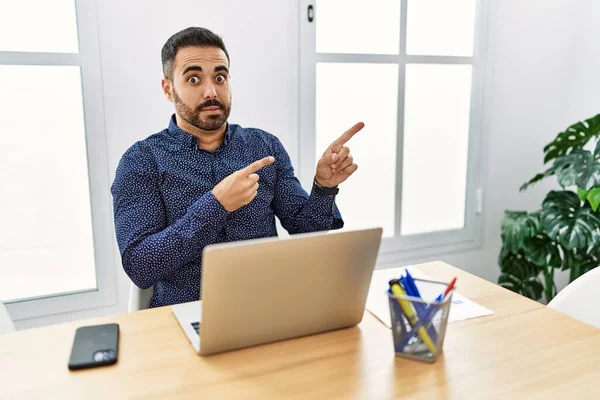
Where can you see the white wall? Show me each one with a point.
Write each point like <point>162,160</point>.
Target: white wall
<point>541,77</point>
<point>530,74</point>
<point>585,95</point>
<point>544,61</point>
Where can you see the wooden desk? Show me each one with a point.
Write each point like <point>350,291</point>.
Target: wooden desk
<point>523,351</point>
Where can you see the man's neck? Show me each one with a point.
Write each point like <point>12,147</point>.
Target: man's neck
<point>207,140</point>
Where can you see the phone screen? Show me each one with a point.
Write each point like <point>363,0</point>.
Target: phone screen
<point>95,346</point>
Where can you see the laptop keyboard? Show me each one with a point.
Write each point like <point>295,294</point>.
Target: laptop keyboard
<point>196,326</point>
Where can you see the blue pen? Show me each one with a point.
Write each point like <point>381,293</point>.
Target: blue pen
<point>426,319</point>
<point>412,290</point>
<point>428,315</point>
<point>411,282</point>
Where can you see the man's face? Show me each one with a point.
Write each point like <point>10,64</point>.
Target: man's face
<point>199,87</point>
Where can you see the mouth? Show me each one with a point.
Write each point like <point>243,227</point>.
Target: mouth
<point>211,108</point>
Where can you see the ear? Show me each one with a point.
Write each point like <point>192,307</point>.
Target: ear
<point>167,87</point>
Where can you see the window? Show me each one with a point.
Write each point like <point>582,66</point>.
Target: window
<point>56,240</point>
<point>413,72</point>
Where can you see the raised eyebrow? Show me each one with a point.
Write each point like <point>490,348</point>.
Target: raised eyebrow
<point>221,68</point>
<point>192,68</point>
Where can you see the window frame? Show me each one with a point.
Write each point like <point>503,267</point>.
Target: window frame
<point>418,245</point>
<point>88,59</point>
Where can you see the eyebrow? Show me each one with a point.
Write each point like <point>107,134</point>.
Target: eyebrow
<point>199,69</point>
<point>192,68</point>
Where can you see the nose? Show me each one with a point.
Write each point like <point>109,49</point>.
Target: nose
<point>210,92</point>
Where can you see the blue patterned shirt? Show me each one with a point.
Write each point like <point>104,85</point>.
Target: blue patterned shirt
<point>165,213</point>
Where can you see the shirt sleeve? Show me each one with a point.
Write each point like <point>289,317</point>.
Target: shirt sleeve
<point>297,211</point>
<point>151,250</point>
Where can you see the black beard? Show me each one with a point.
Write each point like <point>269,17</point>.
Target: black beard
<point>211,123</point>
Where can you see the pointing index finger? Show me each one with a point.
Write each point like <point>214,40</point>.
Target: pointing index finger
<point>256,165</point>
<point>342,140</point>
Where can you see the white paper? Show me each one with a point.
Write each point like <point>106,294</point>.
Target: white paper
<point>378,304</point>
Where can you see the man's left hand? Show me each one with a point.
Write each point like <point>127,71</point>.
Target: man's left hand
<point>336,164</point>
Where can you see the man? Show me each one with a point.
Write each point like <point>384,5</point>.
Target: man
<point>205,181</point>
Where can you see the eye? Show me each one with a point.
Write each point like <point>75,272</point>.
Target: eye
<point>220,78</point>
<point>193,80</point>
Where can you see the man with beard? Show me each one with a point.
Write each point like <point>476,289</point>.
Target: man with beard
<point>204,180</point>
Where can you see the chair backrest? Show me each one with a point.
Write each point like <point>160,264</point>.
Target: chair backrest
<point>139,299</point>
<point>6,322</point>
<point>580,298</point>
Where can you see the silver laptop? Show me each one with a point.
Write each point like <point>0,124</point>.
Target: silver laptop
<point>265,290</point>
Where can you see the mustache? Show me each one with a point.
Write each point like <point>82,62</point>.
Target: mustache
<point>211,103</point>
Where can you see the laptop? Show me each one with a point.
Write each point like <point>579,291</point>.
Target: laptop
<point>266,290</point>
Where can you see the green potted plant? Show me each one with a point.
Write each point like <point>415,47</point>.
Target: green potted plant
<point>565,233</point>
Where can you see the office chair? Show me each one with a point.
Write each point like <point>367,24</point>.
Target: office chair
<point>139,299</point>
<point>580,298</point>
<point>6,323</point>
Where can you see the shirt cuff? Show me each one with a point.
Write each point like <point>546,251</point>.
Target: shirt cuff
<point>325,206</point>
<point>326,191</point>
<point>208,207</point>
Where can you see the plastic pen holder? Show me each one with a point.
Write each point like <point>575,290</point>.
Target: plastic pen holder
<point>411,326</point>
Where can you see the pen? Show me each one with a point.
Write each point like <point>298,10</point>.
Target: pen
<point>412,284</point>
<point>410,315</point>
<point>429,313</point>
<point>410,287</point>
<point>397,312</point>
<point>448,289</point>
<point>423,321</point>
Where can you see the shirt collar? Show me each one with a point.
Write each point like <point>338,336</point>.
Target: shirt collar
<point>188,141</point>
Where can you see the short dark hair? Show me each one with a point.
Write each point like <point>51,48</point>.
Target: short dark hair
<point>192,36</point>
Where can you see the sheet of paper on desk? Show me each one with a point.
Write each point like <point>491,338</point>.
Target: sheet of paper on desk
<point>377,301</point>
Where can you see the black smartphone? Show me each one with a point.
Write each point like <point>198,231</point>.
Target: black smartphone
<point>94,346</point>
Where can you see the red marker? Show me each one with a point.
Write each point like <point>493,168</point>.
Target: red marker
<point>449,287</point>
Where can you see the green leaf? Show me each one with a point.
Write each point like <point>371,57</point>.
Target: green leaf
<point>516,227</point>
<point>593,253</point>
<point>542,251</point>
<point>569,258</point>
<point>574,137</point>
<point>582,193</point>
<point>519,275</point>
<point>593,197</point>
<point>580,167</point>
<point>537,178</point>
<point>585,266</point>
<point>580,261</point>
<point>565,221</point>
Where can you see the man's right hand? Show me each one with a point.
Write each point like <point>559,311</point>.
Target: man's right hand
<point>241,187</point>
